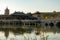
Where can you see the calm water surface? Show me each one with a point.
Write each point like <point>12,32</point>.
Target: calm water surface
<point>30,36</point>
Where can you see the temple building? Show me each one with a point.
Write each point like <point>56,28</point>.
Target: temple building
<point>7,11</point>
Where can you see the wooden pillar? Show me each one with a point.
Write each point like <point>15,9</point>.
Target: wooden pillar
<point>35,24</point>
<point>9,23</point>
<point>29,24</point>
<point>24,23</point>
<point>13,23</point>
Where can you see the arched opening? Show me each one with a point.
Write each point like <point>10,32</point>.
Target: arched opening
<point>58,24</point>
<point>51,24</point>
<point>46,24</point>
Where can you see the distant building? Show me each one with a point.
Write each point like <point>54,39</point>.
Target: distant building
<point>7,11</point>
<point>37,15</point>
<point>21,15</point>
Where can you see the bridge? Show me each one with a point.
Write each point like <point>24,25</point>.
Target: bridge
<point>55,22</point>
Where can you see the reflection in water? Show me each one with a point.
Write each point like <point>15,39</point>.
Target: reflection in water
<point>31,36</point>
<point>26,35</point>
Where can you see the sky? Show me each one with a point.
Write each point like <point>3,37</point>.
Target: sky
<point>30,5</point>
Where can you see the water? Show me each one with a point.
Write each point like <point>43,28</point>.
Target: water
<point>50,35</point>
<point>30,36</point>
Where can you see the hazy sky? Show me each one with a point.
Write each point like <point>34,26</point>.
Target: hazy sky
<point>30,5</point>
